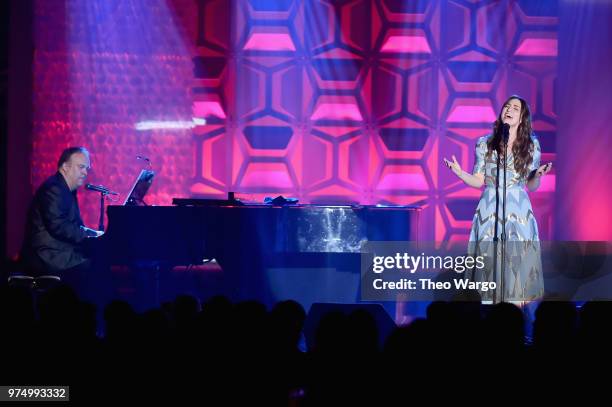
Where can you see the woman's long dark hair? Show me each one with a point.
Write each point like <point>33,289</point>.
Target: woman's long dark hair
<point>522,149</point>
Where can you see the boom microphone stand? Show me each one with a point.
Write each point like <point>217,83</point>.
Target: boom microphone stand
<point>103,193</point>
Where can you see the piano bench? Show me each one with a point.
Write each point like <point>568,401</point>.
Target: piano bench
<point>19,280</point>
<point>43,283</point>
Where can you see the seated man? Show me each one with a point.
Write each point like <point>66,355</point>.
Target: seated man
<point>54,230</point>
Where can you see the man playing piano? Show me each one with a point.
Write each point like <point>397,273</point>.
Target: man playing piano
<point>54,230</point>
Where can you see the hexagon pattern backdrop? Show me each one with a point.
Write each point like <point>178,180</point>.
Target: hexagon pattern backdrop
<point>327,101</point>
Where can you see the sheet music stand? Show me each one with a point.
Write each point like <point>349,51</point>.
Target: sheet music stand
<point>140,188</point>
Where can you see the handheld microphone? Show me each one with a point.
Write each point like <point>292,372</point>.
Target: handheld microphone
<point>100,188</point>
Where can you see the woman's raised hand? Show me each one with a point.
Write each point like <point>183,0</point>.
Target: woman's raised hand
<point>454,166</point>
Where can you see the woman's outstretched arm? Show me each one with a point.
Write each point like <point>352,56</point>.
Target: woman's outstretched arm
<point>474,181</point>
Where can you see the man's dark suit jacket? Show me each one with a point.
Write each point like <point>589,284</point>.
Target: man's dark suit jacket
<point>54,229</point>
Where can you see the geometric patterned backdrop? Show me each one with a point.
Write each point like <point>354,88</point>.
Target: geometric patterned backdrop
<point>328,101</point>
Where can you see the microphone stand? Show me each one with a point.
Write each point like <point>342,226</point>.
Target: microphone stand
<point>101,222</point>
<point>503,235</point>
<point>495,237</point>
<point>103,192</point>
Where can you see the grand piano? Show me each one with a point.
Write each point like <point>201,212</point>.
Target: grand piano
<point>266,252</point>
